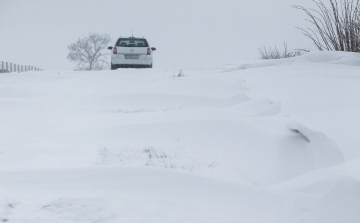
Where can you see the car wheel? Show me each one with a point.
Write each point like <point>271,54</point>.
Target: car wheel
<point>113,67</point>
<point>150,66</point>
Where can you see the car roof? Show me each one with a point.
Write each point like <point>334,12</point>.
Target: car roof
<point>131,37</point>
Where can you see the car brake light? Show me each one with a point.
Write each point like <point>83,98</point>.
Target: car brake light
<point>149,51</point>
<point>114,50</point>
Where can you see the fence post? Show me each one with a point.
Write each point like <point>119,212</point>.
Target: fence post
<point>12,67</point>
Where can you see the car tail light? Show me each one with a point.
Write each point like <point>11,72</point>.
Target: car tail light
<point>114,50</point>
<point>149,51</point>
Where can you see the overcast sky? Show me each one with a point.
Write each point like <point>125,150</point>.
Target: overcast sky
<point>186,33</point>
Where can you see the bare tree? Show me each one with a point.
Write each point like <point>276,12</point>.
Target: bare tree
<point>337,27</point>
<point>88,53</point>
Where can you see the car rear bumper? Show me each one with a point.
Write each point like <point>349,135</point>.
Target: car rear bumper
<point>131,66</point>
<point>139,62</point>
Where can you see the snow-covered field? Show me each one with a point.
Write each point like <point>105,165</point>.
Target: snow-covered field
<point>255,142</point>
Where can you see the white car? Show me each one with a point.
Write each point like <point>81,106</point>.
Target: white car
<point>131,52</point>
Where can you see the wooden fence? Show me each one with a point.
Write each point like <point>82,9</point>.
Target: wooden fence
<point>7,67</point>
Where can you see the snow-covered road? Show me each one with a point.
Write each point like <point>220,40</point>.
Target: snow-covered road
<point>261,141</point>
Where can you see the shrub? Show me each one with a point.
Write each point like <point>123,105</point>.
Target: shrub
<point>274,53</point>
<point>336,28</point>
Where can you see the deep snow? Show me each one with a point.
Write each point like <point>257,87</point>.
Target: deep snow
<point>260,141</point>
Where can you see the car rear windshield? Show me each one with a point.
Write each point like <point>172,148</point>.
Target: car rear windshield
<point>132,42</point>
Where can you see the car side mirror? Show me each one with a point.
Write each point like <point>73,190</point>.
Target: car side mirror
<point>153,48</point>
<point>110,48</point>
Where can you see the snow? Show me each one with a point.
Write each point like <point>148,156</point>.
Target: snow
<point>259,141</point>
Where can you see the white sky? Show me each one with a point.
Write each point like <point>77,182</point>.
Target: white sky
<point>186,33</point>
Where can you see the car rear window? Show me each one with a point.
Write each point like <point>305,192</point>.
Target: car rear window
<point>132,42</point>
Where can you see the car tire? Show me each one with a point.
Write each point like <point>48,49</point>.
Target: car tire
<point>150,66</point>
<point>113,67</point>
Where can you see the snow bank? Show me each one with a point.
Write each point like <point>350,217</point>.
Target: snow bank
<point>337,57</point>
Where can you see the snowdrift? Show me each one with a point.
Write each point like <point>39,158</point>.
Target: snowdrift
<point>275,143</point>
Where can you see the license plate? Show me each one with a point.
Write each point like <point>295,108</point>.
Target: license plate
<point>131,57</point>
